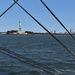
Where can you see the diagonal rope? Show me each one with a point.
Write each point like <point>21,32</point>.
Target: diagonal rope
<point>57,19</point>
<point>28,61</point>
<point>24,59</point>
<point>41,24</point>
<point>46,29</point>
<point>9,8</point>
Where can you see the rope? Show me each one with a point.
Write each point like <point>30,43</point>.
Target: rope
<point>15,2</point>
<point>46,30</point>
<point>57,19</point>
<point>28,60</point>
<point>9,8</point>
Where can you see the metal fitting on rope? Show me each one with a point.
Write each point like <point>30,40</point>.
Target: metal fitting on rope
<point>15,1</point>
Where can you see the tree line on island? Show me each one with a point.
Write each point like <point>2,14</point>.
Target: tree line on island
<point>30,32</point>
<point>27,32</point>
<point>15,31</point>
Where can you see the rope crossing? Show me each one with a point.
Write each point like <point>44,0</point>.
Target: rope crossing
<point>21,58</point>
<point>46,29</point>
<point>27,60</point>
<point>9,8</point>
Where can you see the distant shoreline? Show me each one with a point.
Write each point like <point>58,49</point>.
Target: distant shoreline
<point>35,34</point>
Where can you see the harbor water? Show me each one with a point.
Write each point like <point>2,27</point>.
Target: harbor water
<point>36,55</point>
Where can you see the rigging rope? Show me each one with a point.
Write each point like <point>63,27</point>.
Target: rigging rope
<point>9,8</point>
<point>57,19</point>
<point>46,30</point>
<point>29,61</point>
<point>15,2</point>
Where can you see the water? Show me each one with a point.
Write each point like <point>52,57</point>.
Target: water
<point>38,55</point>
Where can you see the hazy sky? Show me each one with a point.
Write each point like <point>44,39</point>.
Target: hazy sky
<point>63,9</point>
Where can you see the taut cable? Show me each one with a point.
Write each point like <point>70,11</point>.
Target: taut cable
<point>46,29</point>
<point>9,8</point>
<point>57,19</point>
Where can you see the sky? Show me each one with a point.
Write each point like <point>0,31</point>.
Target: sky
<point>63,9</point>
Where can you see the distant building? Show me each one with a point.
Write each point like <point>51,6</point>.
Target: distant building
<point>71,30</point>
<point>51,32</point>
<point>54,31</point>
